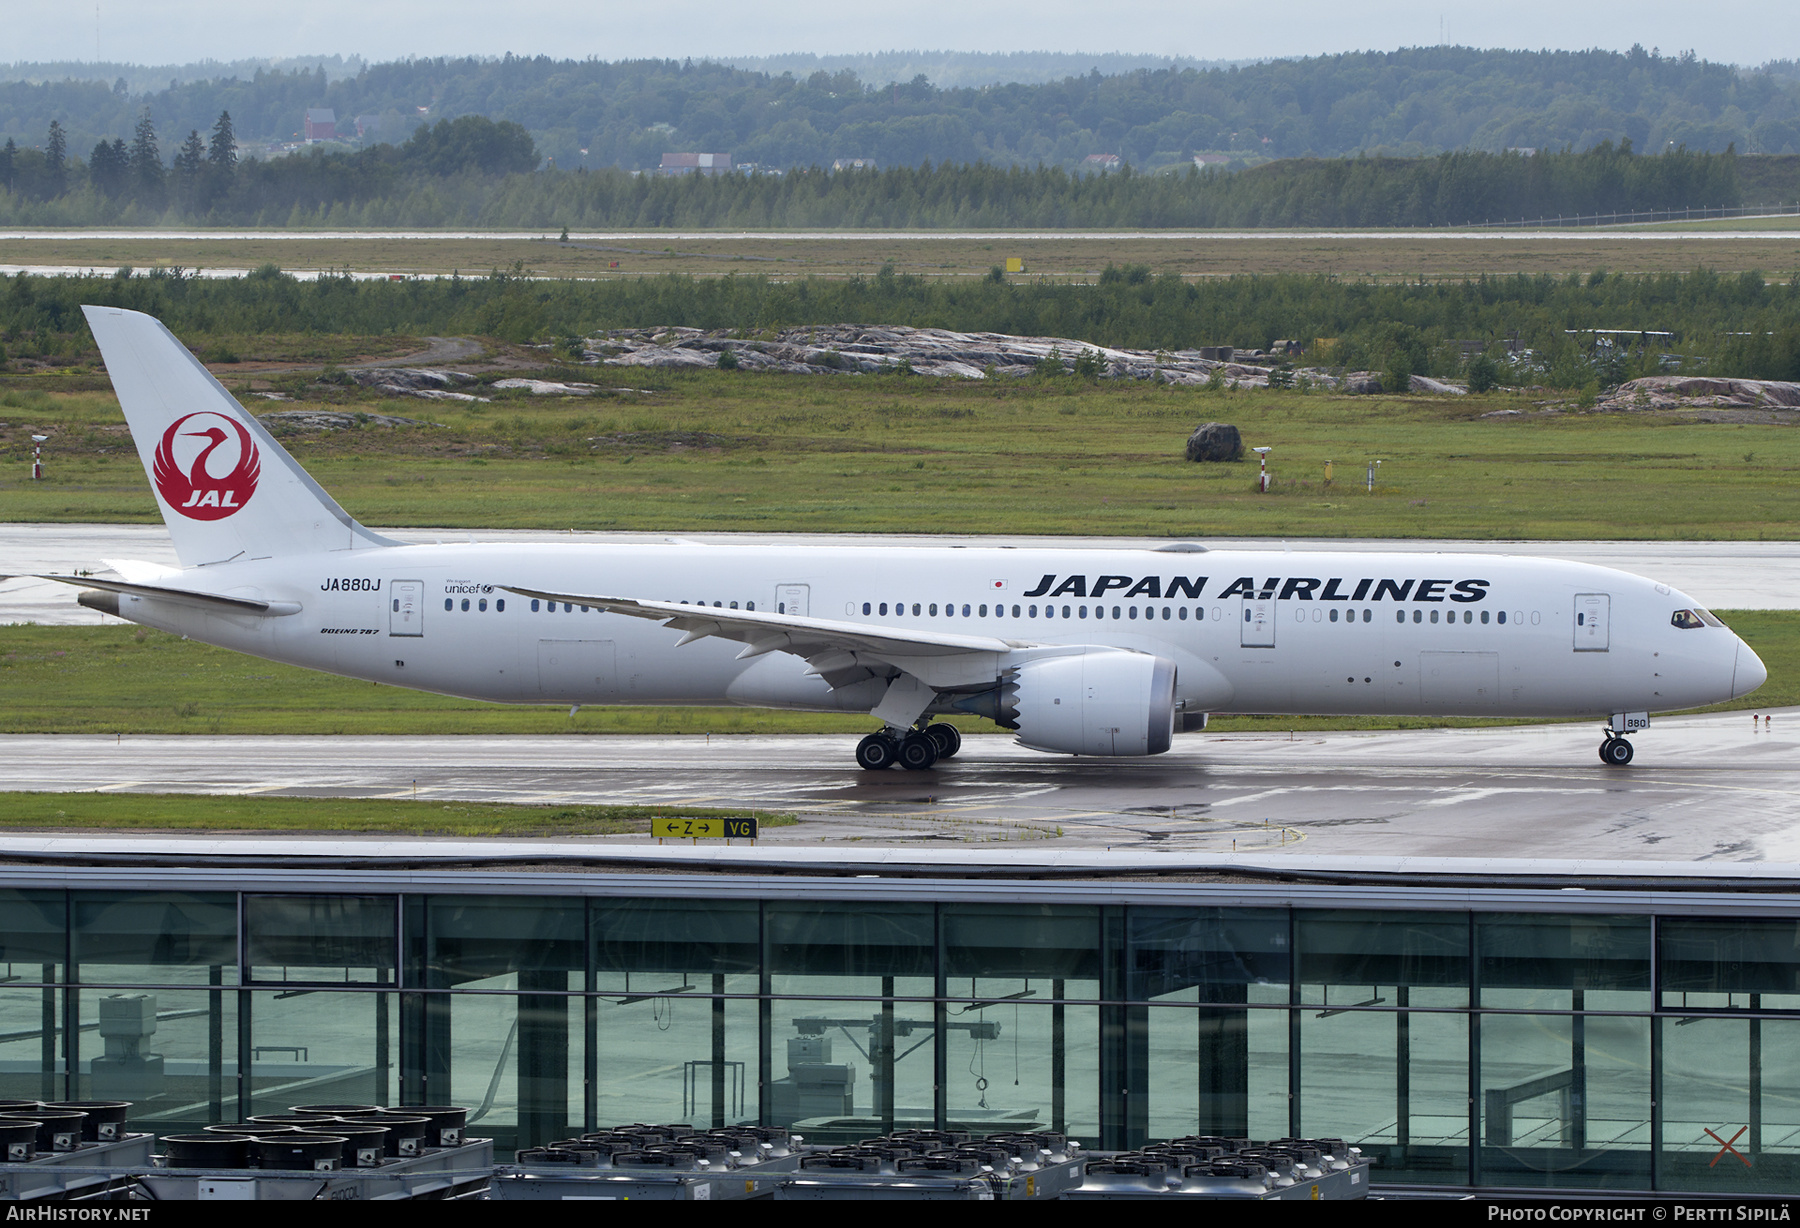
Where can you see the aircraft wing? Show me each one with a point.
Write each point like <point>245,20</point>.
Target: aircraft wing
<point>761,631</point>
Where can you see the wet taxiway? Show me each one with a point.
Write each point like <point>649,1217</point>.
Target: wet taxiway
<point>1705,788</point>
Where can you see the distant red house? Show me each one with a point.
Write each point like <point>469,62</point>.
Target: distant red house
<point>695,164</point>
<point>321,124</point>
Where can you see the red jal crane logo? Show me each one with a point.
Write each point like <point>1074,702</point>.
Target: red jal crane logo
<point>186,473</point>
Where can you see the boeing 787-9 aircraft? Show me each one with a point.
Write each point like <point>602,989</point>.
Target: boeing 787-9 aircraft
<point>1078,651</point>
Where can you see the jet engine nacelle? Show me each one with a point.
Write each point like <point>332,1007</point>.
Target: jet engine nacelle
<point>1097,703</point>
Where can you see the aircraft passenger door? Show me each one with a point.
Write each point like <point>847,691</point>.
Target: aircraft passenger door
<point>1592,612</point>
<point>1257,626</point>
<point>792,599</point>
<point>406,607</point>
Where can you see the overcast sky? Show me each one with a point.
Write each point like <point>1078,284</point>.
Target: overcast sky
<point>178,31</point>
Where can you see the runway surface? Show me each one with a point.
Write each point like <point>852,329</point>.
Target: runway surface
<point>1723,575</point>
<point>1703,788</point>
<point>937,236</point>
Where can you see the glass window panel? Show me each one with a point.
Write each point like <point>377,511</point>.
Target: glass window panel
<point>1349,957</point>
<point>1023,1066</point>
<point>172,1053</point>
<point>1731,1105</point>
<point>478,937</point>
<point>332,938</point>
<point>322,1047</point>
<point>1712,963</point>
<point>849,1070</point>
<point>512,1055</point>
<point>31,1044</point>
<point>677,1059</point>
<point>33,934</point>
<point>680,936</point>
<point>1565,1101</point>
<point>1395,1083</point>
<point>860,949</point>
<point>1214,952</point>
<point>155,937</point>
<point>1210,1070</point>
<point>1005,949</point>
<point>1539,961</point>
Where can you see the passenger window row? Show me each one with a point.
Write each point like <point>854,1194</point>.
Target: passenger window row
<point>1150,613</point>
<point>1468,616</point>
<point>969,610</point>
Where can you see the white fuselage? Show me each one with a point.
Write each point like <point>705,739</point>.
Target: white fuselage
<point>1267,632</point>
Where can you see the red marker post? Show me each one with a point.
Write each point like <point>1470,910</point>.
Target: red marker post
<point>1262,480</point>
<point>37,456</point>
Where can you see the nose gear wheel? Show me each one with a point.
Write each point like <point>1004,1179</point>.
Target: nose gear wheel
<point>1616,752</point>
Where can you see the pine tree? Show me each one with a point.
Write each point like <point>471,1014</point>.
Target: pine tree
<point>56,158</point>
<point>8,160</point>
<point>109,166</point>
<point>146,160</point>
<point>221,166</point>
<point>189,163</point>
<point>221,154</point>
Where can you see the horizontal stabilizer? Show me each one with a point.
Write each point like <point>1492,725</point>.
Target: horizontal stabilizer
<point>209,601</point>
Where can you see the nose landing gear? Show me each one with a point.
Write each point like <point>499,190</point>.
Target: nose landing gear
<point>1615,751</point>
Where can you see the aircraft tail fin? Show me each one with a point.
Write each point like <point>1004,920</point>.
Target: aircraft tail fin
<point>226,488</point>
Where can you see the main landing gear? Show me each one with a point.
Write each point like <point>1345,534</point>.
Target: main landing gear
<point>916,750</point>
<point>1615,751</point>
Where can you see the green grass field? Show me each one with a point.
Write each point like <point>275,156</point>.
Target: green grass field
<point>1060,256</point>
<point>190,812</point>
<point>720,451</point>
<point>126,680</point>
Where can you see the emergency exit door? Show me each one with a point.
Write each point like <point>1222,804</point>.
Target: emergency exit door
<point>792,599</point>
<point>1257,626</point>
<point>406,607</point>
<point>1592,611</point>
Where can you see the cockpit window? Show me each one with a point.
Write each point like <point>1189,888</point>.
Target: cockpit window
<point>1706,616</point>
<point>1687,620</point>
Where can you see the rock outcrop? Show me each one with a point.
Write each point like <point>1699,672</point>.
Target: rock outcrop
<point>547,388</point>
<point>423,382</point>
<point>331,420</point>
<point>838,349</point>
<point>1702,391</point>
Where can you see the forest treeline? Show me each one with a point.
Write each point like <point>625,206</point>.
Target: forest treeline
<point>1411,102</point>
<point>474,172</point>
<point>1726,325</point>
